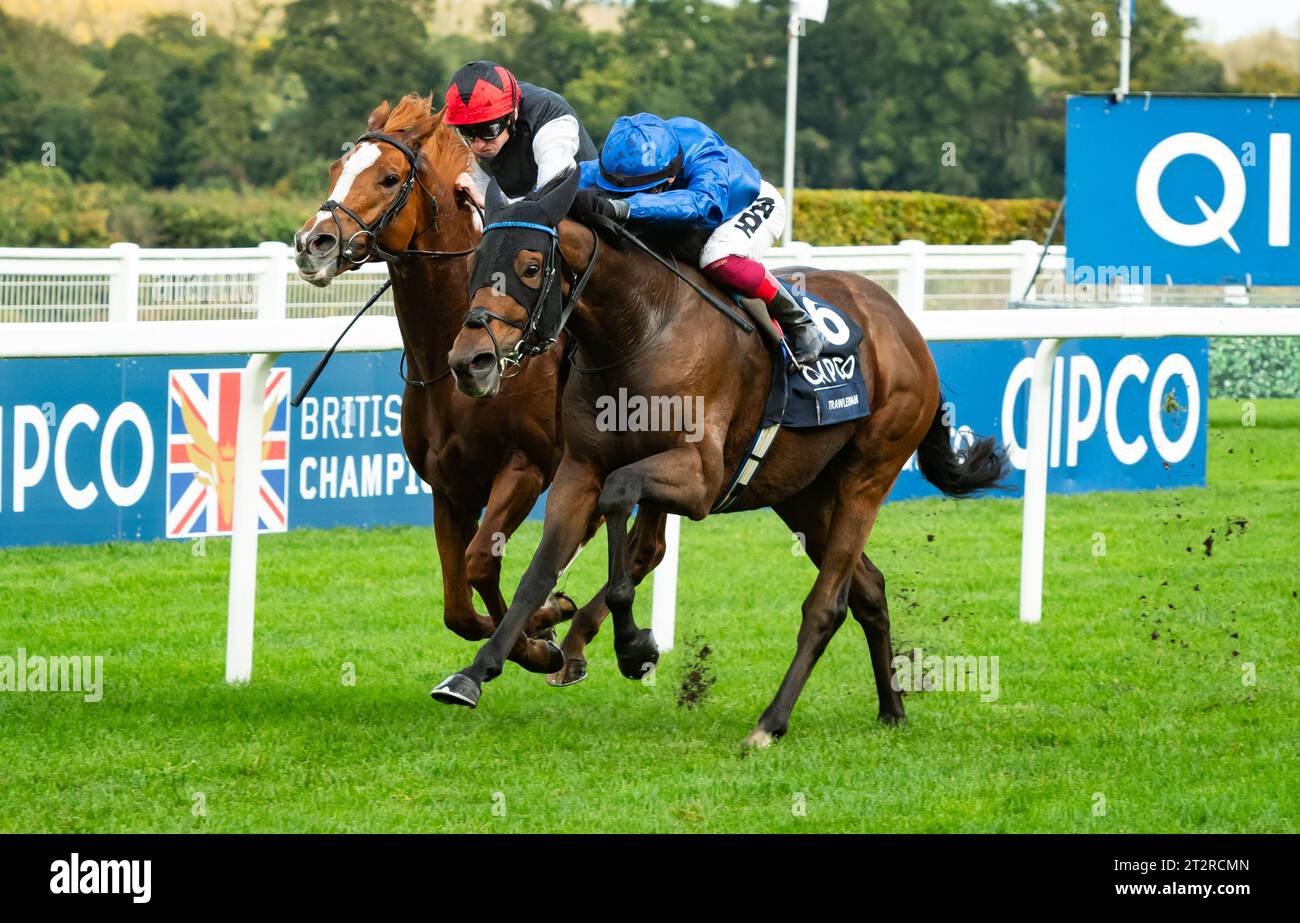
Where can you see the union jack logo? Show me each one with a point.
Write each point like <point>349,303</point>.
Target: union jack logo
<point>202,423</point>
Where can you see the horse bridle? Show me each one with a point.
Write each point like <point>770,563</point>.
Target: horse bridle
<point>373,230</point>
<point>377,227</point>
<point>533,342</point>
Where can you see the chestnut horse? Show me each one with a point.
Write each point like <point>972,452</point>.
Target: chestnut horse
<point>655,337</point>
<point>393,198</point>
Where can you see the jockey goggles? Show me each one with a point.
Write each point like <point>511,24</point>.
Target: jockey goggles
<point>486,131</point>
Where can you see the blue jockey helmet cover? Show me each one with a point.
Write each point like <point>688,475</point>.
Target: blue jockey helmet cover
<point>640,152</point>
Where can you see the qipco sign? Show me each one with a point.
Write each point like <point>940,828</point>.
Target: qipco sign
<point>98,449</point>
<point>1125,414</point>
<point>1197,191</point>
<point>93,450</point>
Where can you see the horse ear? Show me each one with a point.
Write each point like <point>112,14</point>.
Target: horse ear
<point>494,199</point>
<point>557,198</point>
<point>415,135</point>
<point>379,117</point>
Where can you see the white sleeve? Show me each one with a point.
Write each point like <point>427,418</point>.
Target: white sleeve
<point>555,148</point>
<point>478,176</point>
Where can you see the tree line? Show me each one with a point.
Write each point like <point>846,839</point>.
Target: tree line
<point>963,97</point>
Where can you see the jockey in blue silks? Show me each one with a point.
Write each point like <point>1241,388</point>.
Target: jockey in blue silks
<point>679,172</point>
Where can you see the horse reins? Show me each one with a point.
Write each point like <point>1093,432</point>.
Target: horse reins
<point>618,230</point>
<point>479,316</point>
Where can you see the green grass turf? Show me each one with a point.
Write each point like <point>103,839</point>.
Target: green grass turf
<point>1130,690</point>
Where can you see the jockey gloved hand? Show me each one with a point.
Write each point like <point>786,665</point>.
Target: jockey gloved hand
<point>589,203</point>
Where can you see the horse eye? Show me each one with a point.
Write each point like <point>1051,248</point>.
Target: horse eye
<point>532,270</point>
<point>390,180</point>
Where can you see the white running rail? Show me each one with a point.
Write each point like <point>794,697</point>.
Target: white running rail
<point>267,333</point>
<point>125,283</point>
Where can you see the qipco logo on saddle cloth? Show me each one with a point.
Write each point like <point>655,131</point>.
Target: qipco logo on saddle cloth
<point>831,369</point>
<point>830,390</point>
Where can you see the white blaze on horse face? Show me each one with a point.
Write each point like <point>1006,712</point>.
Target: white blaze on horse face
<point>360,157</point>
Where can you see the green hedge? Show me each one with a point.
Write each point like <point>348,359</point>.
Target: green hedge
<point>54,212</point>
<point>1254,367</point>
<point>848,217</point>
<point>208,218</point>
<point>46,209</point>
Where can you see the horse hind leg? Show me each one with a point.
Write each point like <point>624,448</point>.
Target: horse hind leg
<point>867,602</point>
<point>871,609</point>
<point>834,532</point>
<point>646,550</point>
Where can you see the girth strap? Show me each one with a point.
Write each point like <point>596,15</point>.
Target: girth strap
<point>770,424</point>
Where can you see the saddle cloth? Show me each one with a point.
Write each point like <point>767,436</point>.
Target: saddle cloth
<point>830,391</point>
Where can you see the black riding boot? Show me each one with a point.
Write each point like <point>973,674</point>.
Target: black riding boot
<point>806,341</point>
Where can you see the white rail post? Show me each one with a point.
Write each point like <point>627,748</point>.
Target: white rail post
<point>663,617</point>
<point>1034,529</point>
<point>793,29</point>
<point>243,539</point>
<point>124,284</point>
<point>1125,45</point>
<point>911,279</point>
<point>1023,273</point>
<point>273,281</point>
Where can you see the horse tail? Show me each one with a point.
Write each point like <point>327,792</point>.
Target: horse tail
<point>983,465</point>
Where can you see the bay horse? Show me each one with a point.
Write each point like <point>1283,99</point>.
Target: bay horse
<point>643,331</point>
<point>392,198</point>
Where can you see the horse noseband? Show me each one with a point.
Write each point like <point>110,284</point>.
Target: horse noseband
<point>373,230</point>
<point>478,316</point>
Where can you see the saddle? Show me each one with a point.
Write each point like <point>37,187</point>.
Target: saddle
<point>830,391</point>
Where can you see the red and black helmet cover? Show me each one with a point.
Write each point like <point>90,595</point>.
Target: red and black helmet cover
<point>481,91</point>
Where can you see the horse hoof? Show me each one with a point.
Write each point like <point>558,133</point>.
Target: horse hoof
<point>892,720</point>
<point>574,672</point>
<point>639,656</point>
<point>563,604</point>
<point>556,662</point>
<point>457,689</point>
<point>758,739</point>
<point>546,634</point>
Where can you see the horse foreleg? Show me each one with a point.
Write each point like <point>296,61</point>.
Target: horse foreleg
<point>871,609</point>
<point>514,491</point>
<point>559,606</point>
<point>570,510</point>
<point>674,480</point>
<point>646,550</point>
<point>513,494</point>
<point>452,528</point>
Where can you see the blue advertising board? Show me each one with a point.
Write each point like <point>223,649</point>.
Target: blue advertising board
<point>1126,415</point>
<point>99,449</point>
<point>1192,190</point>
<point>93,450</point>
